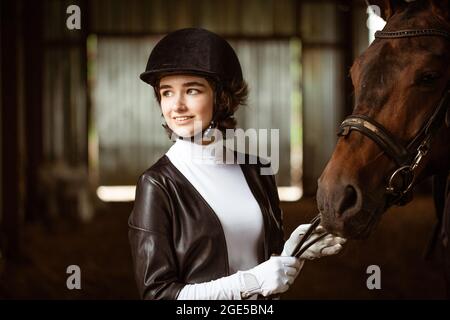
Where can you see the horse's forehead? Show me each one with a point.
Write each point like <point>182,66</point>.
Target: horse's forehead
<point>380,62</point>
<point>387,64</point>
<point>375,73</point>
<point>387,57</point>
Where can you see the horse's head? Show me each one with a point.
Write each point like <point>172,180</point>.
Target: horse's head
<point>398,84</point>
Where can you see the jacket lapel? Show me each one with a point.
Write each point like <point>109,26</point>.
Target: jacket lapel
<point>251,175</point>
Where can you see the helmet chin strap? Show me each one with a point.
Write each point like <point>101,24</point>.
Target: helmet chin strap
<point>205,133</point>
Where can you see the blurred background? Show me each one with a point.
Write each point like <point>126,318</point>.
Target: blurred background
<point>78,127</point>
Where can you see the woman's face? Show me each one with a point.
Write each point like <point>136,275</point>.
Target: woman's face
<point>186,100</point>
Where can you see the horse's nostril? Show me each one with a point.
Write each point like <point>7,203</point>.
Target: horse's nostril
<point>348,200</point>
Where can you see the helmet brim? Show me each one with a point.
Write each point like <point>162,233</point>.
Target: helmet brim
<point>153,77</point>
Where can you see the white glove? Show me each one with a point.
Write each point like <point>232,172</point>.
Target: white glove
<point>326,246</point>
<point>270,277</point>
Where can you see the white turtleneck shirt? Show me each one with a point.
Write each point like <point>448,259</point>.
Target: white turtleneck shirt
<point>224,187</point>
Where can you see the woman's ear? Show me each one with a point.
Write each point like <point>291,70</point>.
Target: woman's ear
<point>388,7</point>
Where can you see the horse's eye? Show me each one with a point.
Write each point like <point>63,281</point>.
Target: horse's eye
<point>428,78</point>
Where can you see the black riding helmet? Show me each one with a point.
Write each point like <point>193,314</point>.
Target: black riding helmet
<point>194,51</point>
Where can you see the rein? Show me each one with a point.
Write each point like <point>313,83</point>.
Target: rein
<point>302,246</point>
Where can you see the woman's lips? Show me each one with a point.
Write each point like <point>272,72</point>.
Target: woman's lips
<point>183,119</point>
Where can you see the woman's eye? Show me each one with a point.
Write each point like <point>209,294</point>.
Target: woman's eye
<point>428,78</point>
<point>166,93</point>
<point>193,91</point>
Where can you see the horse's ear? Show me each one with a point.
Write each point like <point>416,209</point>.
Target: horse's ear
<point>441,8</point>
<point>387,7</point>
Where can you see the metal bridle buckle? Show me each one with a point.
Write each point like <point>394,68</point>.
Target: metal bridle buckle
<point>422,150</point>
<point>407,172</point>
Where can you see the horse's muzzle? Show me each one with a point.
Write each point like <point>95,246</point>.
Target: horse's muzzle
<point>345,210</point>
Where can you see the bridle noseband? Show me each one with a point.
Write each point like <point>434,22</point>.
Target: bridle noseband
<point>406,158</point>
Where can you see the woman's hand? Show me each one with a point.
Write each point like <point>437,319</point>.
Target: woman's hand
<point>326,246</point>
<point>270,277</point>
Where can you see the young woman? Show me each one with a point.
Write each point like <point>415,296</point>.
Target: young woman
<point>204,227</point>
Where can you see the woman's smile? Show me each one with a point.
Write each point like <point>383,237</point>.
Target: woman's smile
<point>183,119</point>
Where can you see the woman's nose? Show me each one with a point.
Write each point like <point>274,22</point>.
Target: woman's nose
<point>179,103</point>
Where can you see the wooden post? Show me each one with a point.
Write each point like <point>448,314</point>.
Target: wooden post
<point>33,55</point>
<point>11,220</point>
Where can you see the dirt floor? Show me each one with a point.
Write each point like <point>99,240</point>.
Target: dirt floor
<point>101,250</point>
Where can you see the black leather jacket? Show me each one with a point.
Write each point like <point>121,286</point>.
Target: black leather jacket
<point>177,239</point>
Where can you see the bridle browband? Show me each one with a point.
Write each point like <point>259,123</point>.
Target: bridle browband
<point>411,33</point>
<point>406,158</point>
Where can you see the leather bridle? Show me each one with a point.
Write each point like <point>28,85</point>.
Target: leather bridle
<point>408,158</point>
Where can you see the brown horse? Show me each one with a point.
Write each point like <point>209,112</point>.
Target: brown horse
<point>399,132</point>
